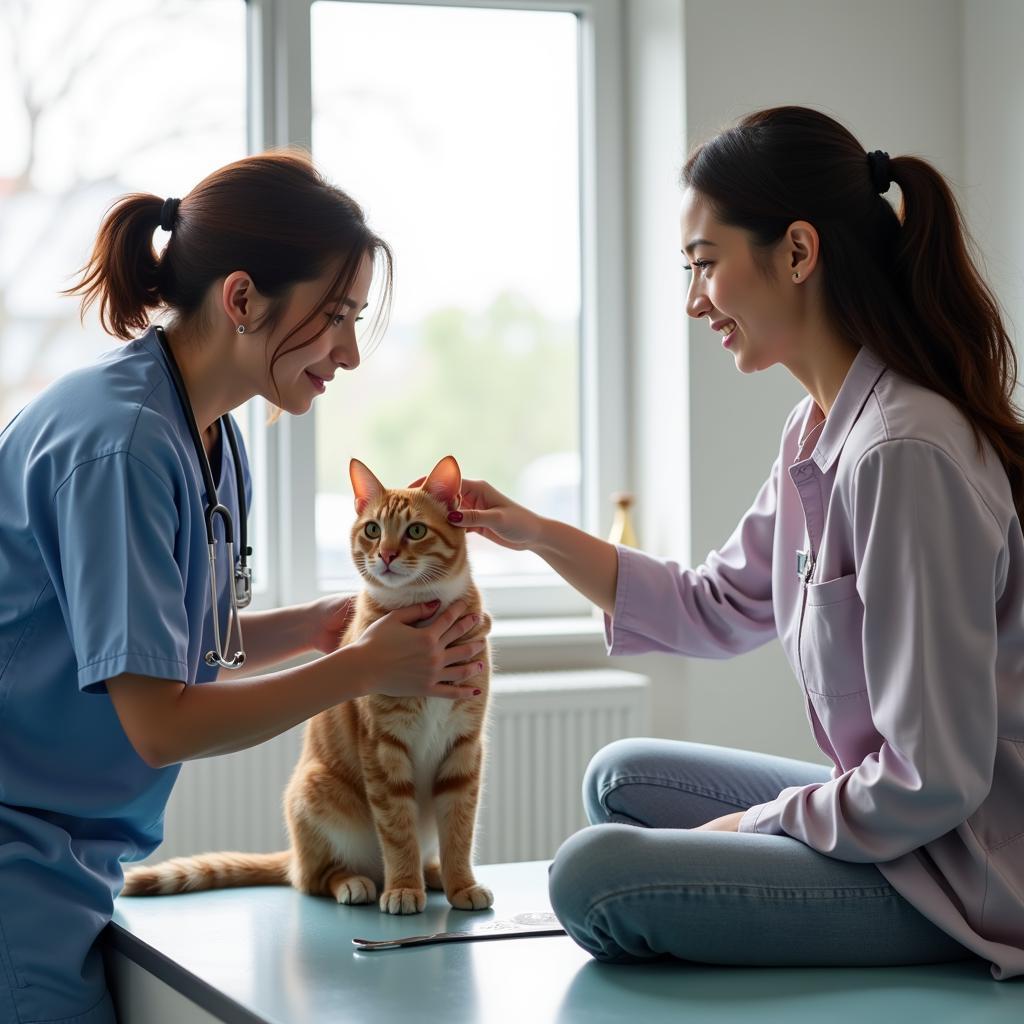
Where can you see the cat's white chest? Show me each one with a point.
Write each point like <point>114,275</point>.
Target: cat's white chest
<point>429,742</point>
<point>427,749</point>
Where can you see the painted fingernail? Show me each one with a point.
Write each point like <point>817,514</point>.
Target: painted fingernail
<point>480,665</point>
<point>476,693</point>
<point>454,517</point>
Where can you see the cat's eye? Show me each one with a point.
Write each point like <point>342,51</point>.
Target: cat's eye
<point>416,532</point>
<point>372,530</point>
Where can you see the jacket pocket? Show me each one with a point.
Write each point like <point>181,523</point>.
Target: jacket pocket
<point>999,820</point>
<point>831,640</point>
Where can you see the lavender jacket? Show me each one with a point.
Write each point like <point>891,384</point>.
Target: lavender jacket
<point>905,628</point>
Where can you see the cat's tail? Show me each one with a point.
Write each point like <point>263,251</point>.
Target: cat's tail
<point>207,871</point>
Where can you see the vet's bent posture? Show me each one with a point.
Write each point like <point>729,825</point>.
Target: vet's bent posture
<point>107,618</point>
<point>384,796</point>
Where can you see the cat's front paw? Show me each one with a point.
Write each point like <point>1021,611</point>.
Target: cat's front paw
<point>403,901</point>
<point>353,890</point>
<point>473,897</point>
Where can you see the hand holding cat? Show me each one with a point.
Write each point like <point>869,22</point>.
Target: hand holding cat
<point>327,619</point>
<point>406,661</point>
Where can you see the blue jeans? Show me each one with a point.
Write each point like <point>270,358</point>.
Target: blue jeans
<point>626,893</point>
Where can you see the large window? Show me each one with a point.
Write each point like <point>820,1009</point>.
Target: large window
<point>484,141</point>
<point>457,130</point>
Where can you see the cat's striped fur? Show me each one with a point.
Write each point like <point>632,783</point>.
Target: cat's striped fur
<point>384,795</point>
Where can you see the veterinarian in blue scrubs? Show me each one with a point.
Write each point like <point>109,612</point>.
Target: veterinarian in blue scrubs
<point>106,614</point>
<point>92,589</point>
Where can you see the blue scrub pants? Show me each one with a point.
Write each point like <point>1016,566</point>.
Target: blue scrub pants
<point>37,983</point>
<point>55,899</point>
<point>626,893</point>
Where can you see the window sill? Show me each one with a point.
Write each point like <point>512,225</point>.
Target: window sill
<point>563,631</point>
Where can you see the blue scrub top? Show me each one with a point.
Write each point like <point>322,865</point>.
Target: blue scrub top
<point>103,569</point>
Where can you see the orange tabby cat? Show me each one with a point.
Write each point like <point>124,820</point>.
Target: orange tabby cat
<point>385,792</point>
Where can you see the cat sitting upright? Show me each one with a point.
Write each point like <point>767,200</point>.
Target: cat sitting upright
<point>384,795</point>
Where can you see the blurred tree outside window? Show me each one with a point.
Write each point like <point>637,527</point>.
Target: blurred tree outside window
<point>98,98</point>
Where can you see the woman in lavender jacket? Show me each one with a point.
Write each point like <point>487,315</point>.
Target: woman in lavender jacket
<point>900,483</point>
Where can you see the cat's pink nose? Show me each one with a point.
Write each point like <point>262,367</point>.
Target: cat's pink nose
<point>388,556</point>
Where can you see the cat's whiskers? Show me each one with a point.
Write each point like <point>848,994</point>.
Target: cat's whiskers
<point>431,574</point>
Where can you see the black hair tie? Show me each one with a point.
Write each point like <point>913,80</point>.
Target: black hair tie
<point>881,176</point>
<point>169,213</point>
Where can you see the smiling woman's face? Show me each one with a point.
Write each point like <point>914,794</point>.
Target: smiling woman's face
<point>753,313</point>
<point>304,370</point>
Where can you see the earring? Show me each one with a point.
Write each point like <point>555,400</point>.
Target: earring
<point>796,276</point>
<point>240,328</point>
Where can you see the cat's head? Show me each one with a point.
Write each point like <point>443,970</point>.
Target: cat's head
<point>401,537</point>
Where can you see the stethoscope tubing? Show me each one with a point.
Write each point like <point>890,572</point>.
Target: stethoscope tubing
<point>241,573</point>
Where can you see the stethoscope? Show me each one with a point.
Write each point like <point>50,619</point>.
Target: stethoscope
<point>241,591</point>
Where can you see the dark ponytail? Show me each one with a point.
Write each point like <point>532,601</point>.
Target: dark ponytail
<point>123,273</point>
<point>960,347</point>
<point>902,284</point>
<point>271,215</point>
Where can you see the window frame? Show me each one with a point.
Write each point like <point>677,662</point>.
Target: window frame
<point>279,87</point>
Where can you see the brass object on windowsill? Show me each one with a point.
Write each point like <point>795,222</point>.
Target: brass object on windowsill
<point>622,531</point>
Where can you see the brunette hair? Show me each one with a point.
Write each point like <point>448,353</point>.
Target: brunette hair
<point>272,215</point>
<point>902,284</point>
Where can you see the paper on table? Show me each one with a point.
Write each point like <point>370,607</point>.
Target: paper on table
<point>519,927</point>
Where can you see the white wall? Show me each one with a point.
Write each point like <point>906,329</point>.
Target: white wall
<point>993,172</point>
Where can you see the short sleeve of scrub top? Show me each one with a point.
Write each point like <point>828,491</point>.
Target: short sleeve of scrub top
<point>120,586</point>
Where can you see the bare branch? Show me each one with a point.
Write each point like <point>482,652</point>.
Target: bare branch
<point>106,42</point>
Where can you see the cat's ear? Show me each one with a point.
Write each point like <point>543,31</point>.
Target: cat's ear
<point>365,486</point>
<point>444,481</point>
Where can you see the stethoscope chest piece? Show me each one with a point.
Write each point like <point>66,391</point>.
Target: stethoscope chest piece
<point>243,584</point>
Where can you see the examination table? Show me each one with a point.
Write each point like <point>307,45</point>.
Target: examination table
<point>275,956</point>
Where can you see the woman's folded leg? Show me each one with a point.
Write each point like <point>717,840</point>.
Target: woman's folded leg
<point>677,784</point>
<point>626,893</point>
<point>662,890</point>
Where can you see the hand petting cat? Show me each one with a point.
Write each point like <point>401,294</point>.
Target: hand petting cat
<point>484,509</point>
<point>481,508</point>
<point>587,563</point>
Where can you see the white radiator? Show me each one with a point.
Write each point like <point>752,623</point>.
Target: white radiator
<point>544,728</point>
